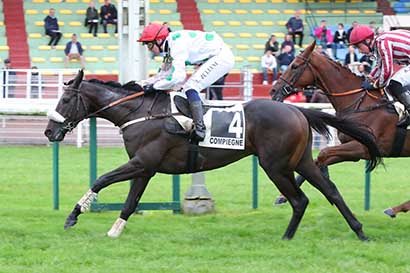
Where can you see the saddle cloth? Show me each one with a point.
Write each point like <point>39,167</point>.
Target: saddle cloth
<point>224,121</point>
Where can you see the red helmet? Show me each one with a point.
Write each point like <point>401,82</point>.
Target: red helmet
<point>360,33</point>
<point>153,32</point>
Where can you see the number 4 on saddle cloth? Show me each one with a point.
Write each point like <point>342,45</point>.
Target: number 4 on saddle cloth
<point>225,124</point>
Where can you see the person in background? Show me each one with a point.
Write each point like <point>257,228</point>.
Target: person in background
<point>9,78</point>
<point>349,31</point>
<point>108,13</point>
<point>324,36</point>
<point>73,50</point>
<point>285,58</point>
<point>295,27</point>
<point>268,64</point>
<point>351,56</point>
<point>288,42</point>
<point>320,50</point>
<point>35,82</point>
<point>51,28</point>
<point>272,45</point>
<point>339,39</point>
<point>91,18</point>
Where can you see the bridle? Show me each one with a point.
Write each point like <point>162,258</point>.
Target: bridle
<point>288,89</point>
<point>68,125</point>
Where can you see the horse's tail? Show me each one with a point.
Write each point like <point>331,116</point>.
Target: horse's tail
<point>360,132</point>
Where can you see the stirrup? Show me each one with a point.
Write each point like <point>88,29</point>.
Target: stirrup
<point>197,135</point>
<point>404,121</point>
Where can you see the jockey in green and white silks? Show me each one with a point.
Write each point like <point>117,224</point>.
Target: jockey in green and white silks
<point>187,47</point>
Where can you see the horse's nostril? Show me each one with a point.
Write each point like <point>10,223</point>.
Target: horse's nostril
<point>47,132</point>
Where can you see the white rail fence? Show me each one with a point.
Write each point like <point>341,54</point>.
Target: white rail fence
<point>24,106</point>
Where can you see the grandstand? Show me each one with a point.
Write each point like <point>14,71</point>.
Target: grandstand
<point>244,24</point>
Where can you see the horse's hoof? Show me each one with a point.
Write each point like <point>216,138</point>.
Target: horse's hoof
<point>280,201</point>
<point>363,238</point>
<point>70,221</point>
<point>390,213</point>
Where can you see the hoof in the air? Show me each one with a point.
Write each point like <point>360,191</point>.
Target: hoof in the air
<point>389,212</point>
<point>280,201</point>
<point>71,221</point>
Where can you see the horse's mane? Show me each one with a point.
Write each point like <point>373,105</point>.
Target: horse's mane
<point>130,86</point>
<point>338,65</point>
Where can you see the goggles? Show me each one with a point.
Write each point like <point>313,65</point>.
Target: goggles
<point>150,45</point>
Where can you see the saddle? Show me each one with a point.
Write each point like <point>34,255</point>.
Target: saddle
<point>172,126</point>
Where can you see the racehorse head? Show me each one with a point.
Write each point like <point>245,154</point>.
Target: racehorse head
<point>298,75</point>
<point>70,110</point>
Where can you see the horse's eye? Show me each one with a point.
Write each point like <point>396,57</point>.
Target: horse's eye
<point>66,100</point>
<point>294,66</point>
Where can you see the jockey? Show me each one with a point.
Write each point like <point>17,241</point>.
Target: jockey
<point>187,47</point>
<point>389,48</point>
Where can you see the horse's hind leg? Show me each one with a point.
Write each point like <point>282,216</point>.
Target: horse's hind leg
<point>404,207</point>
<point>285,182</point>
<point>280,200</point>
<point>314,176</point>
<point>137,188</point>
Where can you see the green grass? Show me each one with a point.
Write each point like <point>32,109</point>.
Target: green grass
<point>234,239</point>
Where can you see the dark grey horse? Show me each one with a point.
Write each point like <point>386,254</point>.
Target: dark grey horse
<point>278,134</point>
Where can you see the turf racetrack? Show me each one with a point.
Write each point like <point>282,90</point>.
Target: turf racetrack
<point>235,239</point>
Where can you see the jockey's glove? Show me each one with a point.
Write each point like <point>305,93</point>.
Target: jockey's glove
<point>149,88</point>
<point>368,86</point>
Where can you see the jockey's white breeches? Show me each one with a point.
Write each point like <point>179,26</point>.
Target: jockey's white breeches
<point>402,76</point>
<point>211,70</point>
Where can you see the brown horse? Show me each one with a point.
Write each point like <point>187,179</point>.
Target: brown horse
<point>343,90</point>
<point>279,134</point>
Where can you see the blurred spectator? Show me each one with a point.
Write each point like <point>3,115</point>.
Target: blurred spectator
<point>324,36</point>
<point>349,31</point>
<point>268,64</point>
<point>295,27</point>
<point>91,18</point>
<point>35,82</point>
<point>320,50</point>
<point>361,71</point>
<point>372,25</point>
<point>285,58</point>
<point>272,45</point>
<point>108,13</point>
<point>215,92</point>
<point>367,61</point>
<point>52,29</point>
<point>73,50</point>
<point>339,39</point>
<point>351,56</point>
<point>288,42</point>
<point>9,77</point>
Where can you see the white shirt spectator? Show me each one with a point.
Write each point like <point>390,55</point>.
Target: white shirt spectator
<point>268,61</point>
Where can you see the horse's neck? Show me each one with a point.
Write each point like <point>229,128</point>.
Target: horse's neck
<point>340,82</point>
<point>133,109</point>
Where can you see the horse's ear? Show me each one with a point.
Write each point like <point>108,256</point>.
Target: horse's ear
<point>78,79</point>
<point>311,47</point>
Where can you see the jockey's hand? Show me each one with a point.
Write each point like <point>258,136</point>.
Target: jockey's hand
<point>149,88</point>
<point>368,86</point>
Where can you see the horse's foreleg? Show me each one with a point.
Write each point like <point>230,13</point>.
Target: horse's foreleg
<point>405,207</point>
<point>134,195</point>
<point>131,169</point>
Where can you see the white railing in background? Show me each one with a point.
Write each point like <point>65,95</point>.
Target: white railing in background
<point>34,83</point>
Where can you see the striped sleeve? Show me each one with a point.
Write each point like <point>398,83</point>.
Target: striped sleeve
<point>386,55</point>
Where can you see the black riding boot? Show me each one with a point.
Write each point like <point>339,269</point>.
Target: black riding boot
<point>403,96</point>
<point>197,115</point>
